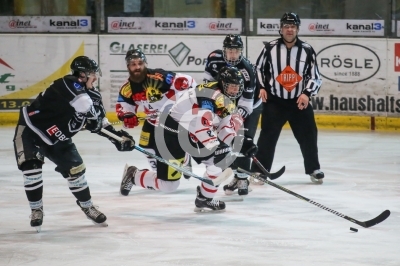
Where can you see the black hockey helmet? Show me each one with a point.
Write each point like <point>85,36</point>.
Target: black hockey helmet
<point>134,54</point>
<point>231,75</point>
<point>233,41</point>
<point>290,18</point>
<point>84,64</point>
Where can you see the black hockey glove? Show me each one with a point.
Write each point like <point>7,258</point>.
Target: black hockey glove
<point>223,157</point>
<point>247,147</point>
<point>94,125</point>
<point>127,145</point>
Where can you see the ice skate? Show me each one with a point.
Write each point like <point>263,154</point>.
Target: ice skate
<point>37,219</point>
<point>93,214</point>
<point>241,184</point>
<point>317,176</point>
<point>204,204</point>
<point>127,180</point>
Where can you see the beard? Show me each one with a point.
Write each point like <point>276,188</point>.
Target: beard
<point>137,76</point>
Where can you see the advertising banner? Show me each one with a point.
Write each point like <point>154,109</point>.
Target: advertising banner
<point>393,70</point>
<point>331,27</point>
<point>30,63</point>
<point>45,24</point>
<point>174,25</point>
<point>354,75</point>
<point>183,54</point>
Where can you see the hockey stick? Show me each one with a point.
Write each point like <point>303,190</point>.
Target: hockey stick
<point>215,182</point>
<point>380,218</point>
<point>271,176</point>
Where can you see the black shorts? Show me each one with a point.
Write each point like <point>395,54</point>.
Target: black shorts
<point>29,146</point>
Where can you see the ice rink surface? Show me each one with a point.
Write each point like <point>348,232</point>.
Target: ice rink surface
<point>270,227</point>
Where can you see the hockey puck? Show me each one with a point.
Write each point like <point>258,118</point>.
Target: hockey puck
<point>354,229</point>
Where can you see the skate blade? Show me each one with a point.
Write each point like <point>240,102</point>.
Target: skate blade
<point>104,224</point>
<point>38,228</point>
<point>229,192</point>
<point>316,181</point>
<point>205,210</point>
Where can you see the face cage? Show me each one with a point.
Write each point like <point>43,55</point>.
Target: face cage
<point>232,62</point>
<point>87,73</point>
<point>237,95</point>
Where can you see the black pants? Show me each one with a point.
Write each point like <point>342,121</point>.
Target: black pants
<point>276,112</point>
<point>250,124</point>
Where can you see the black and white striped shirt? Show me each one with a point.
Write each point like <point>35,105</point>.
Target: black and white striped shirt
<point>287,73</point>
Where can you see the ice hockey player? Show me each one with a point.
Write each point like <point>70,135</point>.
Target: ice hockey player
<point>154,90</point>
<point>249,103</point>
<point>46,127</point>
<point>199,123</point>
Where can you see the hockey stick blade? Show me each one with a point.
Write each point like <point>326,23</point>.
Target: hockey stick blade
<point>277,174</point>
<point>380,218</point>
<point>271,176</point>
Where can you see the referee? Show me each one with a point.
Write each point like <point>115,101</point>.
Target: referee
<point>289,74</point>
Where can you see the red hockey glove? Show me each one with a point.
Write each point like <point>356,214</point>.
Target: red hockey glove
<point>130,119</point>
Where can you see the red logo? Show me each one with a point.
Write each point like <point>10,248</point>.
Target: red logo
<point>181,83</point>
<point>311,27</point>
<point>213,26</point>
<point>12,24</point>
<point>397,57</point>
<point>288,78</point>
<point>115,25</point>
<point>52,130</point>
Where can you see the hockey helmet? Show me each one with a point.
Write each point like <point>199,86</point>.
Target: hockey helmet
<point>135,54</point>
<point>233,41</point>
<point>84,64</point>
<point>290,18</point>
<point>230,75</point>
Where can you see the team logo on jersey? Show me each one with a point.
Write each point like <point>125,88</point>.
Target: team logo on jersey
<point>288,78</point>
<point>126,90</point>
<point>77,86</point>
<point>54,130</point>
<point>153,95</point>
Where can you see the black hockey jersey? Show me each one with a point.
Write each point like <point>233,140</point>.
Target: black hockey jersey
<point>59,112</point>
<point>249,99</point>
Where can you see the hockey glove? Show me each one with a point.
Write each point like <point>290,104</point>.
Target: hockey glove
<point>130,119</point>
<point>223,157</point>
<point>247,147</point>
<point>127,145</point>
<point>94,125</point>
